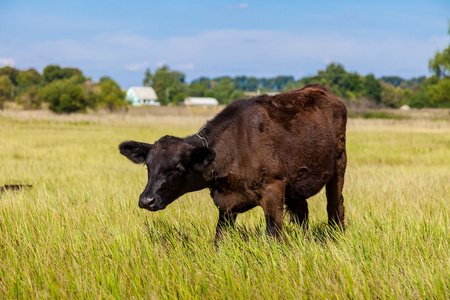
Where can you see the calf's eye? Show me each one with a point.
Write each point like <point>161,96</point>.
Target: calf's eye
<point>179,170</point>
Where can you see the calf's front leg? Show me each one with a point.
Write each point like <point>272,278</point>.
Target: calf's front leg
<point>226,221</point>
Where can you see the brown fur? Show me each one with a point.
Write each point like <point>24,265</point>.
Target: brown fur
<point>273,152</point>
<point>280,151</point>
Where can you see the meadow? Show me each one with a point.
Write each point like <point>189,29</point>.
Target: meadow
<point>79,233</point>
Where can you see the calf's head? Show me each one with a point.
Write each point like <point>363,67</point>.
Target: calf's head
<point>174,168</point>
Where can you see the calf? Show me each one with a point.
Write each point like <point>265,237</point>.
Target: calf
<point>268,151</point>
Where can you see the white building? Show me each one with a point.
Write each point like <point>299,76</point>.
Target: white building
<point>200,101</point>
<point>138,96</point>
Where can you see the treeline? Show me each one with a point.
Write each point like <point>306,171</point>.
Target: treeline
<point>171,87</point>
<point>387,91</point>
<point>64,90</point>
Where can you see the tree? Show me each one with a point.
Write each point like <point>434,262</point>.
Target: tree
<point>281,82</point>
<point>30,99</point>
<point>390,95</point>
<point>111,95</point>
<point>11,72</point>
<point>65,96</point>
<point>439,90</point>
<point>197,89</point>
<point>245,83</point>
<point>319,78</point>
<point>337,80</point>
<point>240,82</point>
<point>179,77</point>
<point>148,80</point>
<point>343,84</point>
<point>72,100</point>
<point>414,83</point>
<point>266,84</point>
<point>6,88</point>
<point>200,87</point>
<point>335,73</point>
<point>419,98</point>
<point>70,72</point>
<point>28,78</point>
<point>225,91</point>
<point>439,93</point>
<point>394,80</point>
<point>372,88</point>
<point>252,84</point>
<point>168,84</point>
<point>179,97</point>
<point>440,64</point>
<point>54,72</point>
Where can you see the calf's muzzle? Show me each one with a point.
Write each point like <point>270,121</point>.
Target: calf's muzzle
<point>147,202</point>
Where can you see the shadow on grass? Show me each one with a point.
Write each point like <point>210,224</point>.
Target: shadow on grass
<point>320,233</point>
<point>323,233</point>
<point>166,233</point>
<point>172,235</point>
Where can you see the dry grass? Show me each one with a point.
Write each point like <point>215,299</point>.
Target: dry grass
<point>80,234</point>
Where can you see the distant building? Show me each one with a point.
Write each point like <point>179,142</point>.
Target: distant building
<point>138,96</point>
<point>200,101</point>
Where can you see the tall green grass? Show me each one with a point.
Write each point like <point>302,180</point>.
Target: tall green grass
<point>78,233</point>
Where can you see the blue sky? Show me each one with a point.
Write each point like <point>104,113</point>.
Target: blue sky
<point>261,38</point>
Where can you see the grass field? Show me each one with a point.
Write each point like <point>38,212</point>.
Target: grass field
<point>79,233</point>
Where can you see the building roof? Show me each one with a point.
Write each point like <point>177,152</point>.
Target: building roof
<point>145,93</point>
<point>201,101</point>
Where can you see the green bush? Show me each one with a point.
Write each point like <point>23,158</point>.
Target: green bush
<point>111,96</point>
<point>383,115</point>
<point>65,96</point>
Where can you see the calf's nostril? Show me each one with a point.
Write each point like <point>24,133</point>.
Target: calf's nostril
<point>144,202</point>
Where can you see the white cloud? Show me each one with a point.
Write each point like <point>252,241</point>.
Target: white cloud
<point>137,66</point>
<point>238,6</point>
<point>7,62</point>
<point>160,64</point>
<point>185,67</point>
<point>230,52</point>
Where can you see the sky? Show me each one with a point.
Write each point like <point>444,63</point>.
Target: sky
<point>213,38</point>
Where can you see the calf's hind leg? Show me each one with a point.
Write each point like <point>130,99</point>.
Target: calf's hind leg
<point>300,213</point>
<point>335,205</point>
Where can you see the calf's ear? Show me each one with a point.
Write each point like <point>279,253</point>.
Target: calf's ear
<point>135,151</point>
<point>202,157</point>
